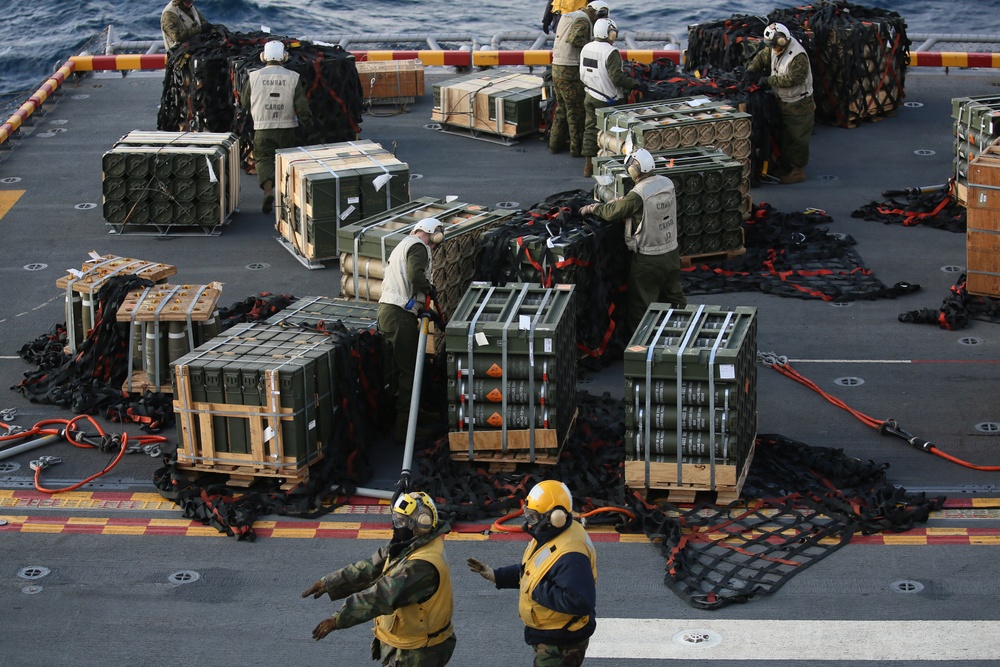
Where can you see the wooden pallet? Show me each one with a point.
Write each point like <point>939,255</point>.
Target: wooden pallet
<point>695,479</point>
<point>170,303</point>
<point>101,267</point>
<point>488,447</point>
<point>688,261</point>
<point>140,382</point>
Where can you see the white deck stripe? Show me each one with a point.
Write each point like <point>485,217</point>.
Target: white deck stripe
<point>768,640</point>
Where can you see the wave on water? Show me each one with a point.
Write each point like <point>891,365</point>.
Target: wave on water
<point>35,38</point>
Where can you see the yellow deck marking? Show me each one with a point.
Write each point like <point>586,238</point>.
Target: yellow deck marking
<point>7,200</point>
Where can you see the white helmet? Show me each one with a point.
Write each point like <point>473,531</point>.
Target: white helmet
<point>433,227</point>
<point>603,29</point>
<point>600,7</point>
<point>639,163</point>
<point>274,52</point>
<point>777,35</point>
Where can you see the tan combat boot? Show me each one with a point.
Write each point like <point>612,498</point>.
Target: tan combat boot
<point>588,167</point>
<point>796,175</point>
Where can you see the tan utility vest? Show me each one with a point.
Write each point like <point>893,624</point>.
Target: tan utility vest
<point>396,289</point>
<point>425,623</point>
<point>656,232</point>
<point>564,53</point>
<point>594,72</point>
<point>272,97</point>
<point>780,64</point>
<point>187,20</point>
<point>536,563</point>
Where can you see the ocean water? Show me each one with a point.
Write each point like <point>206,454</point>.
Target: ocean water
<point>38,36</point>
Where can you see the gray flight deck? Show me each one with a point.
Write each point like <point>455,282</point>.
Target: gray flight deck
<point>108,599</point>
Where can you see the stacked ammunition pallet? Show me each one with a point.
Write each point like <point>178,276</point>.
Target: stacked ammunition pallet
<point>82,286</point>
<point>366,247</point>
<point>512,373</point>
<point>983,221</point>
<point>707,186</point>
<point>166,322</point>
<point>171,183</point>
<point>255,401</point>
<point>680,123</point>
<point>690,400</point>
<point>977,125</point>
<point>494,102</point>
<point>320,313</point>
<point>391,81</point>
<point>322,188</point>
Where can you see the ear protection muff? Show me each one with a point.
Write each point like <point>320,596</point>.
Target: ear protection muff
<point>425,520</point>
<point>558,517</point>
<point>437,237</point>
<point>781,40</point>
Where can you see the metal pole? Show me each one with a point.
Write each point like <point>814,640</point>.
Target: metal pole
<point>31,444</point>
<point>411,423</point>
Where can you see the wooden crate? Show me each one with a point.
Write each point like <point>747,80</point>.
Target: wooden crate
<point>983,260</point>
<point>695,478</point>
<point>497,102</point>
<point>95,271</point>
<point>391,81</point>
<point>266,458</point>
<point>170,303</point>
<point>488,446</point>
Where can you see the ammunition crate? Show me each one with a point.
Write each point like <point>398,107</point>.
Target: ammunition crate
<point>512,360</point>
<point>391,81</point>
<point>82,286</point>
<point>977,126</point>
<point>690,397</point>
<point>496,102</point>
<point>983,224</point>
<point>321,188</point>
<point>320,312</point>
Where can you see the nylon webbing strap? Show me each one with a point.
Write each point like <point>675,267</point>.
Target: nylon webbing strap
<point>471,336</point>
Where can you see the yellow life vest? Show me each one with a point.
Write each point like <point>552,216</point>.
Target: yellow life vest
<point>536,563</point>
<point>567,6</point>
<point>425,623</point>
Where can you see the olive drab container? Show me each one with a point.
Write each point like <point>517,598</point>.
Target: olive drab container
<point>494,102</point>
<point>691,399</point>
<point>511,358</point>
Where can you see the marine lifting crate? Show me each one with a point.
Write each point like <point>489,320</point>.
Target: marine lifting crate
<point>710,207</point>
<point>983,223</point>
<point>256,401</point>
<point>497,102</point>
<point>165,323</point>
<point>171,183</point>
<point>977,126</point>
<point>367,245</point>
<point>321,188</point>
<point>82,287</point>
<point>512,373</point>
<point>691,400</point>
<point>391,81</point>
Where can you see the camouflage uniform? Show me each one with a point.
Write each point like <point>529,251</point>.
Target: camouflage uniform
<point>591,104</point>
<point>177,28</point>
<point>369,594</point>
<point>567,655</point>
<point>567,125</point>
<point>797,118</point>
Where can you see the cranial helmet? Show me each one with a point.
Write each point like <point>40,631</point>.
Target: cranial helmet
<point>433,227</point>
<point>549,500</point>
<point>639,163</point>
<point>415,510</point>
<point>777,35</point>
<point>600,7</point>
<point>606,30</point>
<point>274,52</point>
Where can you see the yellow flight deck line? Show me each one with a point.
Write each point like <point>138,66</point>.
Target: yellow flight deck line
<point>7,200</point>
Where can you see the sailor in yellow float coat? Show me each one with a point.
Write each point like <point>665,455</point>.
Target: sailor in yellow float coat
<point>405,587</point>
<point>556,8</point>
<point>557,578</point>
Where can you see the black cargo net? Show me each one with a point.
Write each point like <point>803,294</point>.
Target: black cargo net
<point>810,501</point>
<point>204,79</point>
<point>957,310</point>
<point>552,244</point>
<point>858,54</point>
<point>793,255</point>
<point>935,208</point>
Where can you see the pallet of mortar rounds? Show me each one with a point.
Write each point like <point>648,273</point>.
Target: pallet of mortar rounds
<point>607,117</point>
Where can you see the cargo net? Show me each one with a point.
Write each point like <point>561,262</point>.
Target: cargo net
<point>665,82</point>
<point>858,54</point>
<point>205,76</point>
<point>551,244</point>
<point>930,207</point>
<point>793,255</point>
<point>957,310</point>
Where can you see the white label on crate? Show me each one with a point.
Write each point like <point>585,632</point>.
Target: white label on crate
<point>312,424</point>
<point>94,255</point>
<point>629,144</point>
<point>450,198</point>
<point>524,322</point>
<point>347,212</point>
<point>380,181</point>
<point>698,102</point>
<point>617,129</point>
<point>727,372</point>
<point>75,273</point>
<point>211,172</point>
<point>265,28</point>
<point>268,433</point>
<point>353,200</point>
<point>547,345</point>
<point>481,338</point>
<point>982,198</point>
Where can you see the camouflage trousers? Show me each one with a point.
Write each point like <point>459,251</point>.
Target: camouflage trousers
<point>567,125</point>
<point>432,656</point>
<point>653,279</point>
<point>265,143</point>
<point>589,147</point>
<point>567,655</point>
<point>796,128</point>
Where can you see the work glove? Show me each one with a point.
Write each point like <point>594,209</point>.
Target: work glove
<point>482,569</point>
<point>433,294</point>
<point>325,627</point>
<point>587,210</point>
<point>317,590</point>
<point>545,28</point>
<point>764,81</point>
